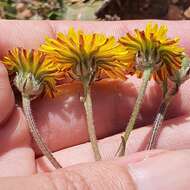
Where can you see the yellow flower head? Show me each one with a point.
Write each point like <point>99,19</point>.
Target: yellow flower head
<point>87,57</point>
<point>34,74</point>
<point>152,48</point>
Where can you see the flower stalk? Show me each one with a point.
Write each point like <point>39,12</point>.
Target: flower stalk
<point>87,58</point>
<point>35,133</point>
<point>146,76</point>
<point>87,101</point>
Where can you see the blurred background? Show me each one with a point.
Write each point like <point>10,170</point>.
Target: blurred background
<point>95,9</point>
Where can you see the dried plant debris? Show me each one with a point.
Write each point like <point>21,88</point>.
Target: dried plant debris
<point>95,9</point>
<point>82,10</point>
<point>31,9</point>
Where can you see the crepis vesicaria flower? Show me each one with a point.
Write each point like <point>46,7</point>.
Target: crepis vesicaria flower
<point>152,48</point>
<point>87,57</point>
<point>33,74</point>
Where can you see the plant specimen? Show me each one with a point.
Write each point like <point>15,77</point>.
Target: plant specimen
<point>178,78</point>
<point>90,57</point>
<point>152,55</point>
<point>34,76</point>
<point>87,57</point>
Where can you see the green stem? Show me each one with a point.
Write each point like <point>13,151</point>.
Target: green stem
<point>136,109</point>
<point>160,117</point>
<point>90,122</point>
<point>35,133</point>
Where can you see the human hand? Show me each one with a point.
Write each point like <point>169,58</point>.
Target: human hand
<point>62,125</point>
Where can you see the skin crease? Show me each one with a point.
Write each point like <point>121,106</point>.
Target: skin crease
<point>62,124</point>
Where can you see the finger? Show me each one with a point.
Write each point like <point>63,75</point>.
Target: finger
<point>159,172</point>
<point>116,29</point>
<point>6,96</point>
<point>173,29</point>
<point>152,172</point>
<point>30,34</point>
<point>77,177</point>
<point>16,155</point>
<point>26,34</point>
<point>174,136</point>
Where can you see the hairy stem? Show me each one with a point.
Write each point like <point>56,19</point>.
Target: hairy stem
<point>35,133</point>
<point>90,122</point>
<point>136,109</point>
<point>160,117</point>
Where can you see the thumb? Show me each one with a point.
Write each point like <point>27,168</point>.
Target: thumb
<point>140,172</point>
<point>6,95</point>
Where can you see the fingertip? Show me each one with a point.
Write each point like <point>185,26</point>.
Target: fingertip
<point>6,95</point>
<point>159,172</point>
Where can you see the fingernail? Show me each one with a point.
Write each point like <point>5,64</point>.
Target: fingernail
<point>167,171</point>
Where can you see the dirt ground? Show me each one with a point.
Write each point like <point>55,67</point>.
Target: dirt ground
<point>149,9</point>
<point>95,9</point>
